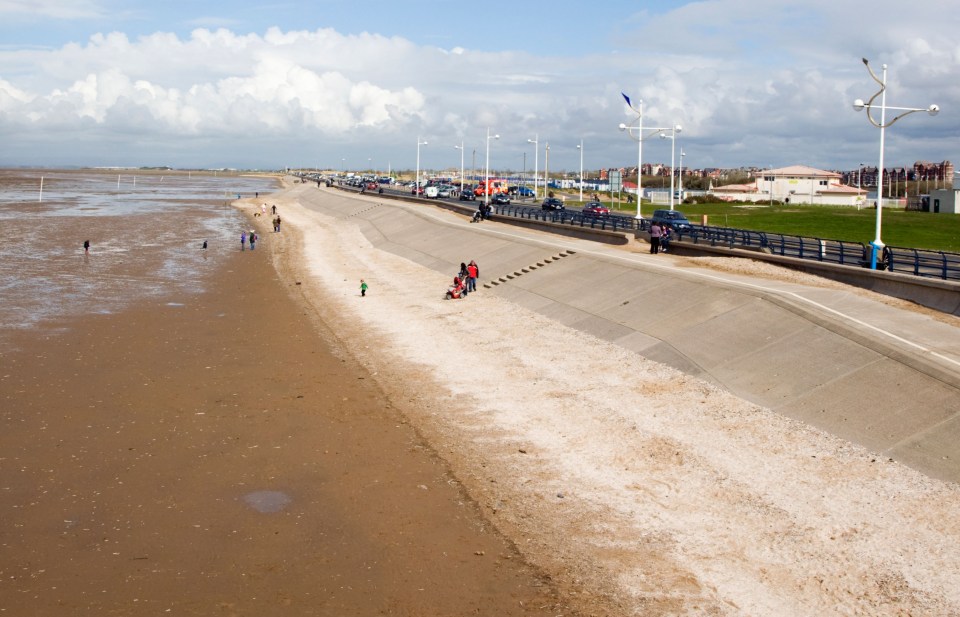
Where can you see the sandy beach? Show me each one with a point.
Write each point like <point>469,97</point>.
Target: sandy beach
<point>278,445</point>
<point>221,453</point>
<point>649,491</point>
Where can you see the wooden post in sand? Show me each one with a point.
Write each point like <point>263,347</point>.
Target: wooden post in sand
<point>41,189</point>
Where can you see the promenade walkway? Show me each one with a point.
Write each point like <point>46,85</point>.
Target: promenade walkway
<point>864,367</point>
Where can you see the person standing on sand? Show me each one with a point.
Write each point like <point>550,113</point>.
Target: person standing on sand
<point>86,247</point>
<point>472,273</point>
<point>363,288</point>
<point>243,240</point>
<point>253,239</point>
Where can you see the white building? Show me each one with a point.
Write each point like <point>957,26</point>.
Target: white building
<point>796,184</point>
<point>944,200</point>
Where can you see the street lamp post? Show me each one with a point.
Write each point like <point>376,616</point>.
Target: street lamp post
<point>546,168</point>
<point>486,188</point>
<point>536,154</point>
<point>580,148</point>
<point>416,186</point>
<point>460,148</point>
<point>673,143</point>
<point>860,105</point>
<point>680,175</point>
<point>639,138</point>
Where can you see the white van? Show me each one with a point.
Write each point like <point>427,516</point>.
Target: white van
<point>431,191</point>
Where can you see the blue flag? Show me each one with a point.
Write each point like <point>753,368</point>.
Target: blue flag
<point>627,99</point>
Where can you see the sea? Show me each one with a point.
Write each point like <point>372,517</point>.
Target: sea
<point>146,231</point>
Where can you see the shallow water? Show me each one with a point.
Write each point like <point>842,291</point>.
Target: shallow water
<point>146,239</point>
<point>267,502</point>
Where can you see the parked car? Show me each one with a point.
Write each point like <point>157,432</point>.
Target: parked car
<point>674,218</point>
<point>500,199</point>
<point>525,191</point>
<point>594,208</point>
<point>468,194</point>
<point>444,191</point>
<point>552,203</point>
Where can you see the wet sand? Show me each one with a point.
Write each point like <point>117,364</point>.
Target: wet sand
<point>222,455</point>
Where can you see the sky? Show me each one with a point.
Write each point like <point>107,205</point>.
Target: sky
<point>354,86</point>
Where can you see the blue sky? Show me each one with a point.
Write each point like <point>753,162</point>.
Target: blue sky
<point>353,85</point>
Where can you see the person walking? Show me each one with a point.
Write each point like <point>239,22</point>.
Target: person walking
<point>253,239</point>
<point>363,288</point>
<point>243,240</point>
<point>86,247</point>
<point>655,233</point>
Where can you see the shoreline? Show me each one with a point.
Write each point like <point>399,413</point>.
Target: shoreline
<point>655,491</point>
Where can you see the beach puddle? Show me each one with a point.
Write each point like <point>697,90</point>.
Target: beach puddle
<point>267,501</point>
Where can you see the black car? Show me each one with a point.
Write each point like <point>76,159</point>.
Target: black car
<point>552,203</point>
<point>674,218</point>
<point>500,199</point>
<point>467,194</point>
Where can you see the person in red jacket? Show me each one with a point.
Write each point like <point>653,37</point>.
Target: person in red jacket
<point>472,273</point>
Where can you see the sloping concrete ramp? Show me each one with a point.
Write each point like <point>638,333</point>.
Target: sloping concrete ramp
<point>823,356</point>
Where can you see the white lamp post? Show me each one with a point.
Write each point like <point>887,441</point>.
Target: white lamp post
<point>460,148</point>
<point>416,186</point>
<point>672,134</point>
<point>536,154</point>
<point>486,188</point>
<point>546,168</point>
<point>639,138</point>
<point>859,105</point>
<point>680,175</point>
<point>580,148</point>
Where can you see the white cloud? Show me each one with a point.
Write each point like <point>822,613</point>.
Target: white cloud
<point>58,9</point>
<point>749,86</point>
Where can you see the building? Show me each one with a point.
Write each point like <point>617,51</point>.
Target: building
<point>796,184</point>
<point>942,201</point>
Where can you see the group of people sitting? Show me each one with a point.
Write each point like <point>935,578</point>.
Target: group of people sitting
<point>659,238</point>
<point>482,213</point>
<point>464,282</point>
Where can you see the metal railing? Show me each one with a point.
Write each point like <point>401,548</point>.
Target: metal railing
<point>917,262</point>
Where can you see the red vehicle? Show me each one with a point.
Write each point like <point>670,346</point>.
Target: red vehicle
<point>495,186</point>
<point>594,208</point>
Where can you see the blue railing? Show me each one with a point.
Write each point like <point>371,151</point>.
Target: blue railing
<point>917,262</point>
